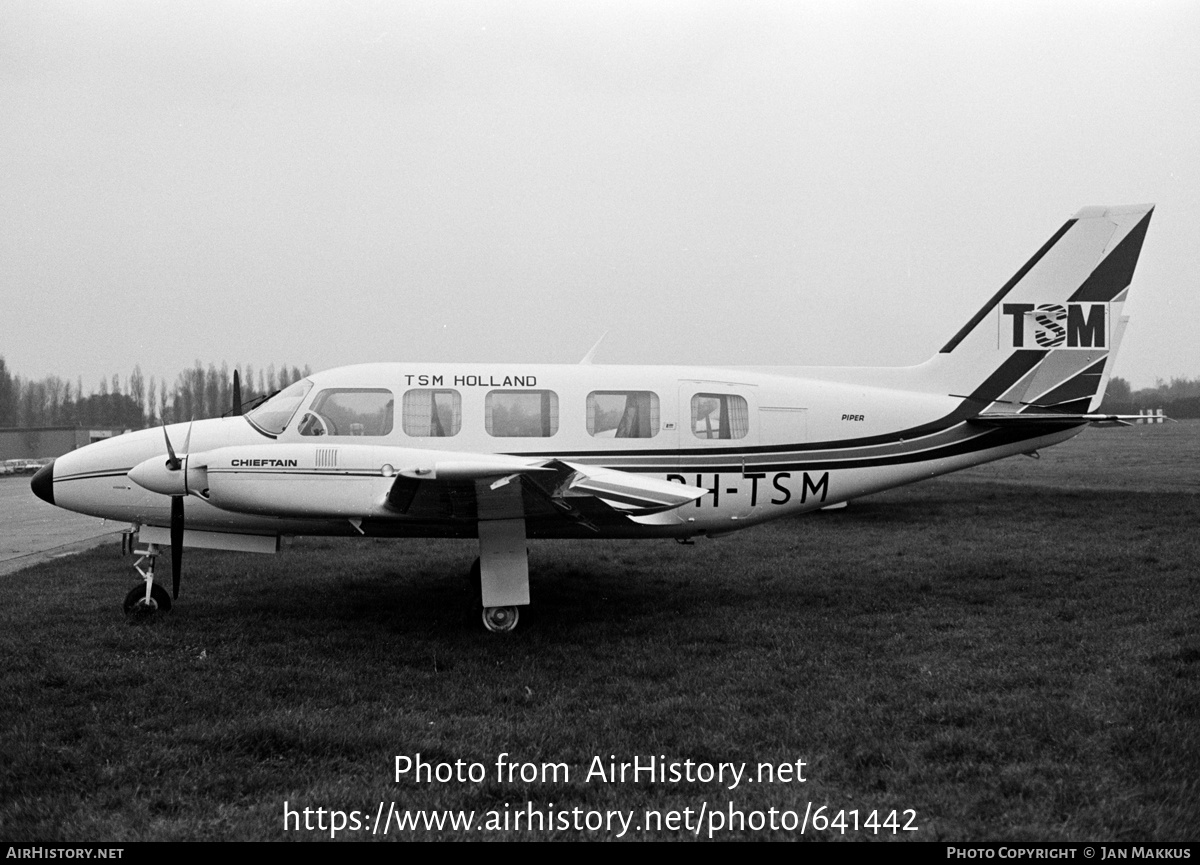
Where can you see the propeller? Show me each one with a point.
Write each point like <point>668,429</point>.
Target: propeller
<point>176,543</point>
<point>175,464</point>
<point>170,478</point>
<point>237,408</point>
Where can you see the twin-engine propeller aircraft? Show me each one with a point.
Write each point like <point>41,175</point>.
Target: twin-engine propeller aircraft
<point>506,452</point>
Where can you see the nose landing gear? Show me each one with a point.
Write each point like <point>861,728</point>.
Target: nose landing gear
<point>148,597</point>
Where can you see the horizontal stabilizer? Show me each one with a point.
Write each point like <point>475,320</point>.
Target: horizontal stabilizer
<point>1033,419</point>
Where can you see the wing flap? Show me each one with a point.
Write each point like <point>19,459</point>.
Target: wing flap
<point>629,492</point>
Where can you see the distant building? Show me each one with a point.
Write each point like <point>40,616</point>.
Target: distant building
<point>34,443</point>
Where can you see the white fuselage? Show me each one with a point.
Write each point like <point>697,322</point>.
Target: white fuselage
<point>763,445</point>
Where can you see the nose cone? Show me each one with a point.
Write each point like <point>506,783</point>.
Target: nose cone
<point>42,483</point>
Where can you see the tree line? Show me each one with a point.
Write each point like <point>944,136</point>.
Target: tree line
<point>200,392</point>
<point>1178,398</point>
<point>136,401</point>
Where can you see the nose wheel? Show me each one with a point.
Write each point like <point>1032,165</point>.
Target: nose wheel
<point>137,605</point>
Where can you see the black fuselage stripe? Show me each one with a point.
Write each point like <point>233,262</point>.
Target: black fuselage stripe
<point>1014,367</point>
<point>84,476</point>
<point>983,441</point>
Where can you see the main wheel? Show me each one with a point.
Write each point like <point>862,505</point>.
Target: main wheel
<point>135,601</point>
<point>500,620</point>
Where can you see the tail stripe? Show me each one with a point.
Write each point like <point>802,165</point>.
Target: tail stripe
<point>1010,372</point>
<point>1018,393</point>
<point>1008,286</point>
<point>1080,387</point>
<point>1115,272</point>
<point>1059,367</point>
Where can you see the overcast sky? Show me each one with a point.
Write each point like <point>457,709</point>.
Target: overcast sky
<point>740,182</point>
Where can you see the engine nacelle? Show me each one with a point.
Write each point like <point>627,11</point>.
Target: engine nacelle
<point>323,481</point>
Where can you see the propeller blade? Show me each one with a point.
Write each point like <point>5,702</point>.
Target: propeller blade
<point>176,542</point>
<point>187,439</point>
<point>172,460</point>
<point>237,393</point>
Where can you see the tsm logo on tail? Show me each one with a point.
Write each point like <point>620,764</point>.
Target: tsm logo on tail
<point>1055,325</point>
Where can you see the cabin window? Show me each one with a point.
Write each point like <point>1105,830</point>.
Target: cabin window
<point>524,413</point>
<point>349,412</point>
<point>436,413</point>
<point>720,416</point>
<point>622,414</point>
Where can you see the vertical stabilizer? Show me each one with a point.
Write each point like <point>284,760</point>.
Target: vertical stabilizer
<point>1047,338</point>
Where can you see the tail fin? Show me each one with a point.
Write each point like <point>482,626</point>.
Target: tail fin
<point>1047,339</point>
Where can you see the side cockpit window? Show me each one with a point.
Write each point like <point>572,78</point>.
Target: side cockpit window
<point>436,413</point>
<point>622,414</point>
<point>349,412</point>
<point>720,416</point>
<point>273,416</point>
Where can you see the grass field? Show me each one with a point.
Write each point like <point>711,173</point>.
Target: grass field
<point>1011,652</point>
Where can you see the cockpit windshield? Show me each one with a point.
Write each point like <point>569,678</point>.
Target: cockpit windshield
<point>273,416</point>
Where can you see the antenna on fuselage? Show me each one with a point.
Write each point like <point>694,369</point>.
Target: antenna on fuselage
<point>587,358</point>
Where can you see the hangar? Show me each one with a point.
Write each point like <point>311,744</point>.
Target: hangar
<point>31,443</point>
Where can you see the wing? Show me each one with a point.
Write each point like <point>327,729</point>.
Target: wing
<point>554,488</point>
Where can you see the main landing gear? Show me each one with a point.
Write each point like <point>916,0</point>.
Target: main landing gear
<point>148,597</point>
<point>497,619</point>
<point>501,573</point>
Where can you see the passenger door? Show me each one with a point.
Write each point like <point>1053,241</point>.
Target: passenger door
<point>718,422</point>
